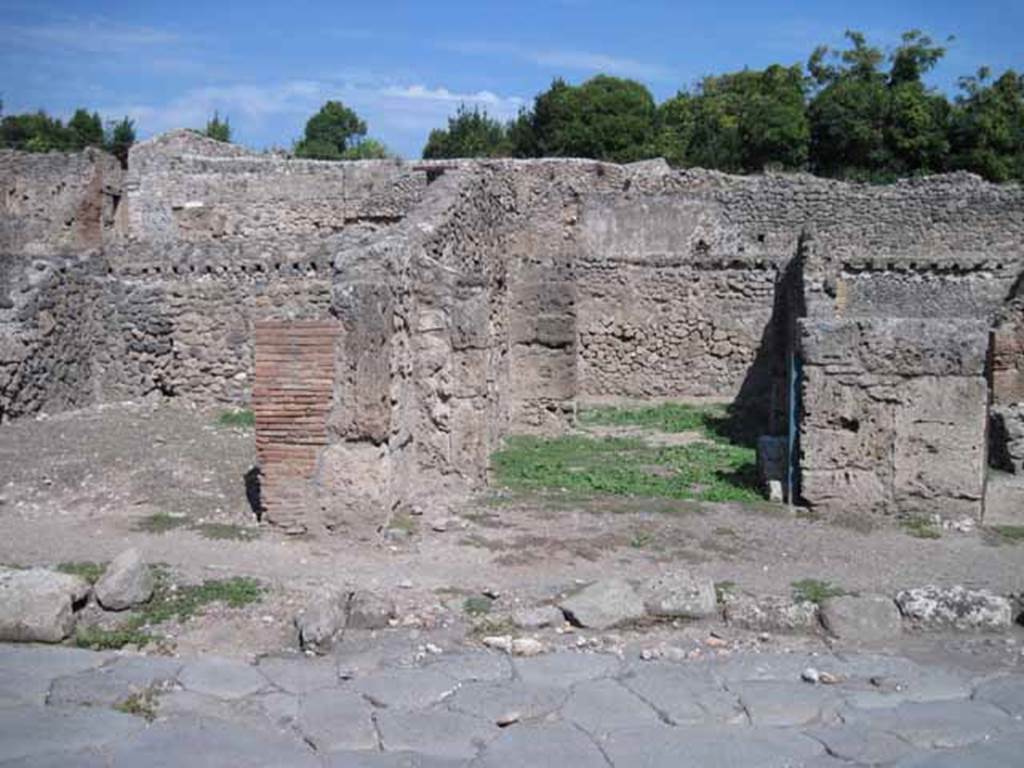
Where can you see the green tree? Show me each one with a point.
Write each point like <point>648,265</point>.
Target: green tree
<point>738,122</point>
<point>330,132</point>
<point>987,133</point>
<point>217,129</point>
<point>605,118</point>
<point>366,149</point>
<point>470,133</point>
<point>870,123</point>
<point>35,132</point>
<point>85,130</point>
<point>120,136</point>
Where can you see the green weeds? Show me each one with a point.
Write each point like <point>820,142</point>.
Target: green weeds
<point>815,591</point>
<point>243,418</point>
<point>91,572</point>
<point>170,601</point>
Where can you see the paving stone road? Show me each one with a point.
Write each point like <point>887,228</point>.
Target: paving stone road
<point>79,709</point>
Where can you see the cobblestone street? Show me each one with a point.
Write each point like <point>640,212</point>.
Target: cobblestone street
<point>69,707</point>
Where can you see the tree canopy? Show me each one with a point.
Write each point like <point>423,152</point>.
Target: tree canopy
<point>470,133</point>
<point>857,113</point>
<point>217,129</point>
<point>330,132</point>
<point>39,132</point>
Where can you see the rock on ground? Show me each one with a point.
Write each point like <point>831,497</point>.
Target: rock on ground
<point>37,605</point>
<point>866,618</point>
<point>955,608</point>
<point>126,582</point>
<point>321,619</point>
<point>604,604</point>
<point>679,594</point>
<point>538,617</point>
<point>771,613</point>
<point>368,610</point>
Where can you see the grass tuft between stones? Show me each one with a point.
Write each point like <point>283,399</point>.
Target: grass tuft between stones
<point>170,602</point>
<point>815,591</point>
<point>89,571</point>
<point>140,704</point>
<point>921,527</point>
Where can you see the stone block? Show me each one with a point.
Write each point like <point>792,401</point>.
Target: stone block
<point>679,594</point>
<point>604,604</point>
<point>956,607</point>
<point>861,618</point>
<point>37,605</point>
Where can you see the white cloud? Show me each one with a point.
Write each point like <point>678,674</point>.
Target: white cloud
<point>400,115</point>
<point>92,36</point>
<point>444,95</point>
<point>574,60</point>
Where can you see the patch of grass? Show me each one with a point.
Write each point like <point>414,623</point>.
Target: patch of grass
<point>1013,534</point>
<point>921,528</point>
<point>705,470</point>
<point>403,522</point>
<point>666,417</point>
<point>641,539</point>
<point>477,605</point>
<point>140,704</point>
<point>815,591</point>
<point>101,639</point>
<point>485,626</point>
<point>160,522</point>
<point>170,601</point>
<point>226,532</point>
<point>723,589</point>
<point>91,572</point>
<point>237,417</point>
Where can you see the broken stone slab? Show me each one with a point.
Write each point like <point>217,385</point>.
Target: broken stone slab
<point>679,594</point>
<point>37,605</point>
<point>604,604</point>
<point>771,613</point>
<point>864,618</point>
<point>127,582</point>
<point>956,607</point>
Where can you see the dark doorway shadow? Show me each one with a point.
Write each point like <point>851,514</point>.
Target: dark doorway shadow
<point>253,492</point>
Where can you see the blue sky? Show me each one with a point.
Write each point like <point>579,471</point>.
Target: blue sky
<point>405,66</point>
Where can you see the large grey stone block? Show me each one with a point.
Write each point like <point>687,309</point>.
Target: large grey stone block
<point>222,678</point>
<point>956,607</point>
<point>436,733</point>
<point>555,745</point>
<point>37,605</point>
<point>862,618</point>
<point>679,594</point>
<point>711,747</point>
<point>604,604</point>
<point>335,720</point>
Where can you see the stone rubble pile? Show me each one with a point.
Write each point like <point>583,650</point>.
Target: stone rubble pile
<point>42,606</point>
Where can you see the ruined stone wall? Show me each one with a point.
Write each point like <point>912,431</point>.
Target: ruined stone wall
<point>183,187</point>
<point>205,240</point>
<point>57,202</point>
<point>679,275</point>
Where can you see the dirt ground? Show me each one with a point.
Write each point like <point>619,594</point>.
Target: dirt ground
<point>85,485</point>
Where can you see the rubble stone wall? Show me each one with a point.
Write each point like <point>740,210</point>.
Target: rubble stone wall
<point>57,202</point>
<point>479,298</point>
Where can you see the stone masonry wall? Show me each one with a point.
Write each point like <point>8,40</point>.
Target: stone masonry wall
<point>57,202</point>
<point>894,415</point>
